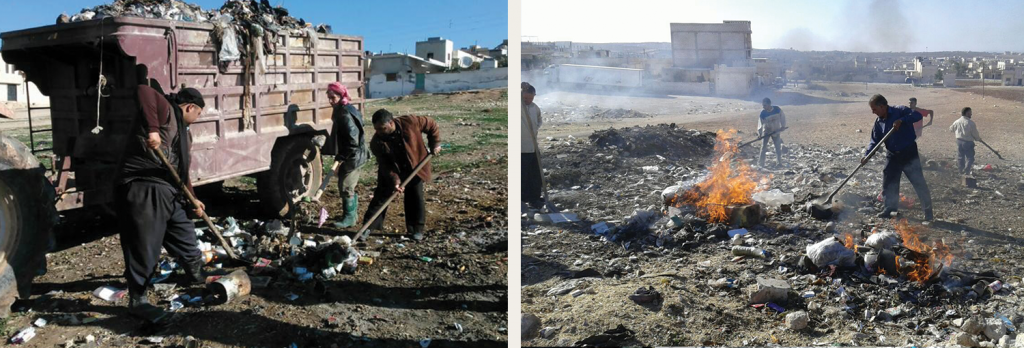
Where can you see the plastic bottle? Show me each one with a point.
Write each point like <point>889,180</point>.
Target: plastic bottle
<point>749,251</point>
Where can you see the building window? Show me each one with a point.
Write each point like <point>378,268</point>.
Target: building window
<point>391,77</point>
<point>430,56</point>
<point>12,92</point>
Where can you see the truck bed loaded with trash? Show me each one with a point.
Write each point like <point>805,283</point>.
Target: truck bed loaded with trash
<point>263,73</point>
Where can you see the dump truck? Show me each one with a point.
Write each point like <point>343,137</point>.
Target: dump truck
<point>265,122</point>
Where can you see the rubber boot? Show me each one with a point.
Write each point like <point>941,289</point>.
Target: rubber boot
<point>139,306</point>
<point>351,206</point>
<point>194,272</point>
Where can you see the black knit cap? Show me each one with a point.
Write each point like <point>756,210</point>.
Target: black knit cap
<point>190,96</point>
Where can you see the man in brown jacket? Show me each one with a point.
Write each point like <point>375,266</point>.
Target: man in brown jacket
<point>398,146</point>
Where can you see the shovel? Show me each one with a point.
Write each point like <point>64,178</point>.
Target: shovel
<point>195,203</point>
<point>544,188</point>
<point>762,137</point>
<point>327,181</point>
<point>993,150</point>
<point>366,224</point>
<point>822,210</point>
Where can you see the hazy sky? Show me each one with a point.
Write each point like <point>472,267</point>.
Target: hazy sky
<point>849,25</point>
<point>389,26</point>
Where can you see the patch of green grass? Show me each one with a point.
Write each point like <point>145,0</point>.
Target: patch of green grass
<point>248,180</point>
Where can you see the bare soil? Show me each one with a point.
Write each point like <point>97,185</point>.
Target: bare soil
<point>457,299</point>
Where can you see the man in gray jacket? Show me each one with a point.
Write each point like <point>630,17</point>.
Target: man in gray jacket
<point>771,120</point>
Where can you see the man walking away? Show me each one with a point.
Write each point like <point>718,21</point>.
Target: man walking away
<point>531,171</point>
<point>772,119</point>
<point>919,125</point>
<point>150,205</point>
<point>966,134</point>
<point>901,154</point>
<point>398,146</point>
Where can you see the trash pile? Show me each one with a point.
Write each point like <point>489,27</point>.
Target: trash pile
<point>853,279</point>
<point>258,12</point>
<point>274,251</point>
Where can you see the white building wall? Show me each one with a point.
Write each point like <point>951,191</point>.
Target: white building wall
<point>466,80</point>
<point>10,77</point>
<point>439,50</point>
<point>379,87</point>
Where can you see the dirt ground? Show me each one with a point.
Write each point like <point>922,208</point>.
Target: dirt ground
<point>577,282</point>
<point>457,299</point>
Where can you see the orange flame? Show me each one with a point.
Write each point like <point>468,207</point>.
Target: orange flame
<point>726,184</point>
<point>848,241</point>
<point>926,258</point>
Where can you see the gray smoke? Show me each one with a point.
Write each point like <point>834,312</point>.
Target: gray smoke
<point>882,26</point>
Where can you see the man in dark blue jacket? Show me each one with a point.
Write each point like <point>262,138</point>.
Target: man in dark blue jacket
<point>901,154</point>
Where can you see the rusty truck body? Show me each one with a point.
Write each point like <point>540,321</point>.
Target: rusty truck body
<point>256,121</point>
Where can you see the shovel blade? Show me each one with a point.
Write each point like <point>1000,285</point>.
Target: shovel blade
<point>819,211</point>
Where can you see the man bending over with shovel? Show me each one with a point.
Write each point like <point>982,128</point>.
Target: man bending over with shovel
<point>901,154</point>
<point>150,206</point>
<point>398,146</point>
<point>771,121</point>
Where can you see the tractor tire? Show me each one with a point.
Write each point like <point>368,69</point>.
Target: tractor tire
<point>27,217</point>
<point>296,171</point>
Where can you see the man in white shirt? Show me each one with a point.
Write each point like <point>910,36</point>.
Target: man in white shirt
<point>966,134</point>
<point>531,171</point>
<point>771,120</point>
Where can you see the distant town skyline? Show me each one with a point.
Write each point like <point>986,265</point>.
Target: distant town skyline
<point>386,26</point>
<point>806,25</point>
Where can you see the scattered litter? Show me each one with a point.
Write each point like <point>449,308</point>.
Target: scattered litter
<point>39,322</point>
<point>109,293</point>
<point>24,335</point>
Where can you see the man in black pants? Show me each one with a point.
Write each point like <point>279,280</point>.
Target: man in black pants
<point>398,145</point>
<point>150,204</point>
<point>532,192</point>
<point>901,154</point>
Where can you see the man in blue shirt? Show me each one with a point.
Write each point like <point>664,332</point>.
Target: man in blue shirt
<point>900,153</point>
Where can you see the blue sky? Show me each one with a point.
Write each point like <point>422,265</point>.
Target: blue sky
<point>851,25</point>
<point>389,26</point>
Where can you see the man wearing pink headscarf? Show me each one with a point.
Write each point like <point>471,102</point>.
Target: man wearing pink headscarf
<point>348,146</point>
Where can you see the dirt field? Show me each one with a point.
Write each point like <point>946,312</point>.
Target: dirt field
<point>457,299</point>
<point>577,282</point>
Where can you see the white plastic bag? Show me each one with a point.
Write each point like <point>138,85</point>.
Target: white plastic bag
<point>774,198</point>
<point>830,252</point>
<point>229,45</point>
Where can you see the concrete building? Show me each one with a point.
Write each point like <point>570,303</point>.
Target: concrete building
<point>465,59</point>
<point>704,45</point>
<point>399,74</point>
<point>436,48</point>
<point>13,92</point>
<point>706,52</point>
<point>1013,76</point>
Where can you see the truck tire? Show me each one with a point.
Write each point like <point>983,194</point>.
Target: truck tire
<point>27,217</point>
<point>295,171</point>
